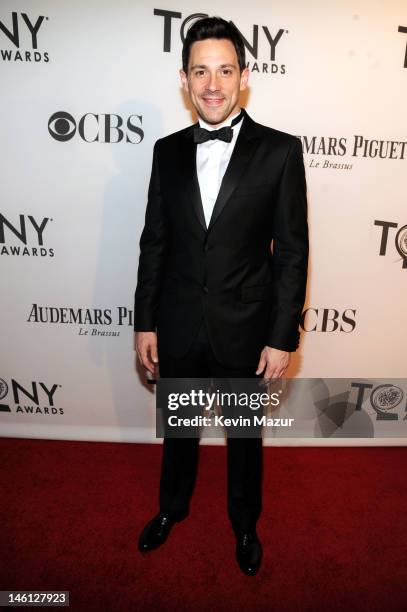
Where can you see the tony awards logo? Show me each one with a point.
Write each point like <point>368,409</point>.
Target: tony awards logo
<point>23,34</point>
<point>400,239</point>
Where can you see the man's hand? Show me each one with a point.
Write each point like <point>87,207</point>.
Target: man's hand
<point>274,361</point>
<point>146,347</point>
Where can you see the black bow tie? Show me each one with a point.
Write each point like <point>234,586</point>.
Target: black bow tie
<point>201,135</point>
<point>224,133</point>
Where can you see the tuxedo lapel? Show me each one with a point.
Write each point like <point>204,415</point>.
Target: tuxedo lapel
<point>243,151</point>
<point>191,184</point>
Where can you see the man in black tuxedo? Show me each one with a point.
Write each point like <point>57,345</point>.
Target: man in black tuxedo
<point>223,267</point>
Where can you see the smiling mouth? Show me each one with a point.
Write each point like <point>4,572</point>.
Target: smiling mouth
<point>213,101</point>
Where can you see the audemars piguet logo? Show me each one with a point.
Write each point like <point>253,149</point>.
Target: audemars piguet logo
<point>261,43</point>
<point>89,322</point>
<point>323,151</point>
<point>20,34</point>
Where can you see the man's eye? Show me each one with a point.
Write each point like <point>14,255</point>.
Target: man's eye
<point>199,73</point>
<point>226,72</point>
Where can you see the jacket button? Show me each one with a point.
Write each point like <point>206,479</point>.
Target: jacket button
<point>206,248</point>
<point>205,289</point>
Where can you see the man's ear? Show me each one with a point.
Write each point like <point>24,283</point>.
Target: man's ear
<point>244,77</point>
<point>184,79</point>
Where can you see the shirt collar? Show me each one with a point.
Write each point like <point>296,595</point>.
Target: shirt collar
<point>210,127</point>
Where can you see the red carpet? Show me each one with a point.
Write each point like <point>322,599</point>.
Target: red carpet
<point>333,528</point>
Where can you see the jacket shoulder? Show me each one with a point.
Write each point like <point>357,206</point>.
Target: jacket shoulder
<point>175,137</point>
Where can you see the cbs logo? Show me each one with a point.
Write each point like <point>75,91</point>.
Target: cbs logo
<point>91,127</point>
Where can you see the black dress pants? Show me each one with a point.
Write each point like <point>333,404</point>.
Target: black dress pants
<point>180,455</point>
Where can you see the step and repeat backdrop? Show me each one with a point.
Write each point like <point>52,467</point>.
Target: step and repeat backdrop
<point>86,89</point>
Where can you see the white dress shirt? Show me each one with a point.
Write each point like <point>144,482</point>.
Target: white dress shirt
<point>212,158</point>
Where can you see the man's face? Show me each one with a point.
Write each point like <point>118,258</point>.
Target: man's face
<point>214,80</point>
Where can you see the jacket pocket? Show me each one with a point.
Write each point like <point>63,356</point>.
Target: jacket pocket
<point>256,293</point>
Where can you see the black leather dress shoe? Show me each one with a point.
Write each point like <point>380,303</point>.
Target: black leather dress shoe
<point>249,553</point>
<point>155,532</point>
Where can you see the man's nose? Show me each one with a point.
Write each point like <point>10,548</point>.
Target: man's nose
<point>213,84</point>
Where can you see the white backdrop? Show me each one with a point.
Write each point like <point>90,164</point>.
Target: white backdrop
<point>73,199</point>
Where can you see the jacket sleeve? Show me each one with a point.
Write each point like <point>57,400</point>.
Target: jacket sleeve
<point>290,252</point>
<point>152,250</point>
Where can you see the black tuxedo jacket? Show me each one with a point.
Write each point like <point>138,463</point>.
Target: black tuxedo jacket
<point>245,273</point>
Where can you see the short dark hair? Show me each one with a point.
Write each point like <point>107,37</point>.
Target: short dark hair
<point>213,27</point>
